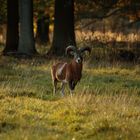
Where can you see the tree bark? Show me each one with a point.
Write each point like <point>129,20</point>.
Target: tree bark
<point>64,34</point>
<point>26,38</point>
<point>12,35</point>
<point>42,35</point>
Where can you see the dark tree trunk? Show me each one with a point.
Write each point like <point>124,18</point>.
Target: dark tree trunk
<point>42,35</point>
<point>12,35</point>
<point>63,27</point>
<point>26,38</point>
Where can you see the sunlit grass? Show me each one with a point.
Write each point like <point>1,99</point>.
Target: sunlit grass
<point>107,36</point>
<point>105,104</point>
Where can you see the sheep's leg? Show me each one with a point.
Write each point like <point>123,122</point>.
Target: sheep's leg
<point>71,86</point>
<point>62,89</point>
<point>71,93</point>
<point>54,86</point>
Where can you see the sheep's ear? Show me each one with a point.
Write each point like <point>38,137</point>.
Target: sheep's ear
<point>70,50</point>
<point>85,49</point>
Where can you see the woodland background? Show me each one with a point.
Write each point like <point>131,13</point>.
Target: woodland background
<point>111,25</point>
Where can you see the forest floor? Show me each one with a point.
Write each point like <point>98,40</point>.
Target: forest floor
<point>105,104</point>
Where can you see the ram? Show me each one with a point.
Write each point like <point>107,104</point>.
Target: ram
<point>71,72</point>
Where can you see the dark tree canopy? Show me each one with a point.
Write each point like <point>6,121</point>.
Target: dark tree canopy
<point>101,9</point>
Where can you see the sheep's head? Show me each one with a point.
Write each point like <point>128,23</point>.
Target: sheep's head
<point>77,53</point>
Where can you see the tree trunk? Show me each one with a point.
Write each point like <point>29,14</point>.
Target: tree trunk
<point>42,35</point>
<point>26,38</point>
<point>63,27</point>
<point>12,35</point>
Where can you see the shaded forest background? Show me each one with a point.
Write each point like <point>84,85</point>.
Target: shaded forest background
<point>111,27</point>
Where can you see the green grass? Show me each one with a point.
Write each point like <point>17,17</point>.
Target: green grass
<point>105,105</point>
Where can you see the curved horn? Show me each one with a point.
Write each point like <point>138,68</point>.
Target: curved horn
<point>85,49</point>
<point>70,49</point>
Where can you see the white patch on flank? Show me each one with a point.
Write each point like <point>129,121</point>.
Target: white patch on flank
<point>64,81</point>
<point>59,71</point>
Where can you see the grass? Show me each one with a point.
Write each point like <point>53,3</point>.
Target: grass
<point>105,105</point>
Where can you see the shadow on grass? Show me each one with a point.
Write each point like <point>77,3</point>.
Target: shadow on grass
<point>28,94</point>
<point>7,126</point>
